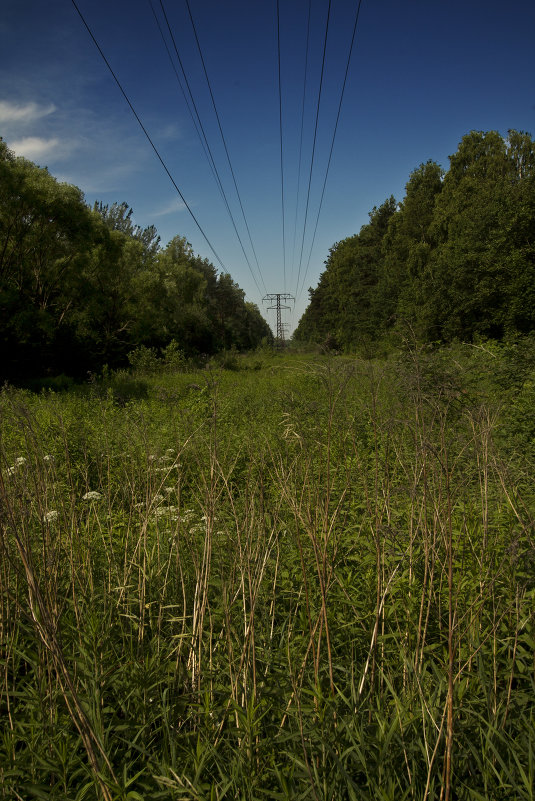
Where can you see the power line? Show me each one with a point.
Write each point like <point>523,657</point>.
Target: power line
<point>301,133</point>
<point>206,145</point>
<point>332,145</point>
<point>281,151</point>
<point>160,159</point>
<point>196,122</point>
<point>314,141</point>
<point>223,139</point>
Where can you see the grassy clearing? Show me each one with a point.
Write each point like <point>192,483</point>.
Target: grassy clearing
<point>311,578</point>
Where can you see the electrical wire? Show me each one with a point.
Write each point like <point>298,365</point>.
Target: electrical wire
<point>223,138</point>
<point>300,160</point>
<point>208,152</point>
<point>298,291</point>
<point>281,150</point>
<point>156,151</point>
<point>196,122</point>
<point>314,141</point>
<point>206,145</point>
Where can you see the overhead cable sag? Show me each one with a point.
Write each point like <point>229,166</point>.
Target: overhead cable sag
<point>156,151</point>
<point>223,138</point>
<point>281,150</point>
<point>189,103</point>
<point>314,141</point>
<point>298,291</point>
<point>203,138</point>
<point>300,159</point>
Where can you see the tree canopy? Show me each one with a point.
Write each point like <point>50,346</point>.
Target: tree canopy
<point>80,287</point>
<point>455,259</point>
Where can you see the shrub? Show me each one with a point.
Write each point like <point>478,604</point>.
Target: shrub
<point>174,359</point>
<point>144,360</point>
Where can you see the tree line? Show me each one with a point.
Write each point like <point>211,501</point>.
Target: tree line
<point>81,287</point>
<point>455,260</point>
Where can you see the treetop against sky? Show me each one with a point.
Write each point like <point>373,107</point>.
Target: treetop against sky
<point>421,75</point>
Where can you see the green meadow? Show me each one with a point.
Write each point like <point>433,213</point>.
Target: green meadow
<point>283,576</point>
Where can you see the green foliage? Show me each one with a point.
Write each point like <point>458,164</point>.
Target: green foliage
<point>456,261</point>
<point>144,360</point>
<point>118,217</point>
<point>406,251</point>
<point>173,357</point>
<point>343,309</point>
<point>482,267</point>
<point>81,288</point>
<point>204,595</point>
<point>228,360</point>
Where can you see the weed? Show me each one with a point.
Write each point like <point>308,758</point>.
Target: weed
<point>313,579</point>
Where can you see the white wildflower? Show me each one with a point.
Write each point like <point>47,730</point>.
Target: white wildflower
<point>170,451</point>
<point>10,470</point>
<point>162,511</point>
<point>48,457</point>
<point>51,516</point>
<point>169,490</point>
<point>158,498</point>
<point>19,461</point>
<point>92,496</point>
<point>198,528</point>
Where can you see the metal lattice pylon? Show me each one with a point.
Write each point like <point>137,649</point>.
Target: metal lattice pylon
<point>277,299</point>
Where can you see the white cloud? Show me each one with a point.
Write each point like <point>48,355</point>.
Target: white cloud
<point>98,176</point>
<point>23,113</point>
<point>170,132</point>
<point>171,208</point>
<point>37,147</point>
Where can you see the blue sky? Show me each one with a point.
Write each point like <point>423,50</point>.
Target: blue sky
<point>423,73</point>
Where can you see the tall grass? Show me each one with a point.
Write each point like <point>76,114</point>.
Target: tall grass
<point>309,580</point>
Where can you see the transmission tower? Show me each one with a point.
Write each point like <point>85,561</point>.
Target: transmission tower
<point>277,299</point>
<point>285,327</point>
